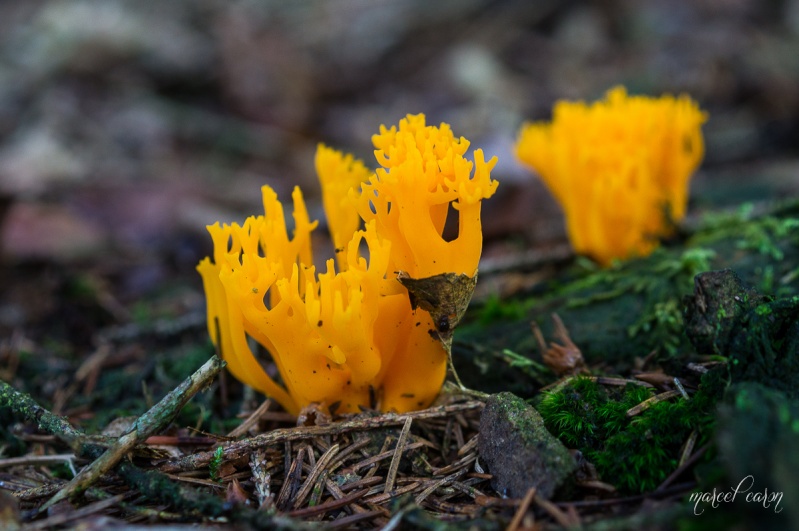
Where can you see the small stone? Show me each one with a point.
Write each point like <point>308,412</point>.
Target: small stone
<point>519,451</point>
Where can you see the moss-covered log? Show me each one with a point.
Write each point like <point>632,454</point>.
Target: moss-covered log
<point>624,312</point>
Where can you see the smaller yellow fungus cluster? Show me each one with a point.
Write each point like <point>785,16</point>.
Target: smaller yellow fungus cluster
<point>350,337</point>
<point>619,168</point>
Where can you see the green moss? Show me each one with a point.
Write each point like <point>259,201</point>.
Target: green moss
<point>183,362</point>
<point>216,462</point>
<point>763,309</point>
<point>583,413</point>
<point>650,289</point>
<point>764,344</point>
<point>635,454</point>
<point>663,324</point>
<point>496,309</point>
<point>624,311</point>
<point>63,471</point>
<point>157,486</point>
<point>538,371</point>
<point>762,235</point>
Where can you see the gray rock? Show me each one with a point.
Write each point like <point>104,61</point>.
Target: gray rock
<point>518,450</point>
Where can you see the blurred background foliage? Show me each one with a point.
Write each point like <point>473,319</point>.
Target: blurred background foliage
<point>127,126</point>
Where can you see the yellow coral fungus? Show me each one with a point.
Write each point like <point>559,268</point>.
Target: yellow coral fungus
<point>339,173</point>
<point>619,168</point>
<point>424,173</point>
<point>349,337</point>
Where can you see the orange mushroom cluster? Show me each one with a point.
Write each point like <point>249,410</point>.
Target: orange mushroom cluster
<point>619,168</point>
<point>349,336</point>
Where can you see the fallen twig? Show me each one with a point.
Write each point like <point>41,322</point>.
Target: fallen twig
<point>328,506</point>
<point>565,519</point>
<point>649,402</point>
<point>250,421</point>
<point>391,477</point>
<point>63,518</point>
<point>522,510</point>
<point>682,468</point>
<point>37,460</point>
<point>22,405</point>
<point>148,424</point>
<point>244,447</point>
<point>317,470</point>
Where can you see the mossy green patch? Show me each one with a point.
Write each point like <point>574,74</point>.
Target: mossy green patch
<point>496,309</point>
<point>635,454</point>
<point>759,336</point>
<point>631,308</point>
<point>765,346</point>
<point>216,463</point>
<point>761,235</point>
